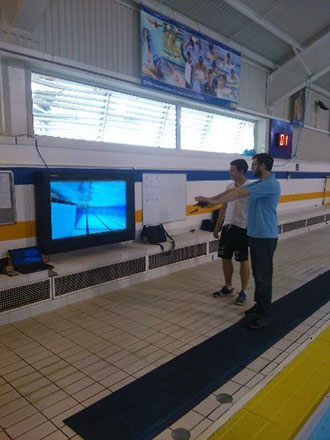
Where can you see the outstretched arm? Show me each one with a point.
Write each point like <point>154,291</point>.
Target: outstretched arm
<point>227,196</point>
<point>221,194</point>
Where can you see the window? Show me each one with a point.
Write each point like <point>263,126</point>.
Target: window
<point>205,131</point>
<point>72,110</point>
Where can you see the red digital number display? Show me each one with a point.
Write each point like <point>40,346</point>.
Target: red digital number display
<point>282,140</point>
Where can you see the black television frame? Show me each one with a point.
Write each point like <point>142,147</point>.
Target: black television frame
<point>46,244</point>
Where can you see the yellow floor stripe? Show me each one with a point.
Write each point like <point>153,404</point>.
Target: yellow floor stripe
<point>280,409</point>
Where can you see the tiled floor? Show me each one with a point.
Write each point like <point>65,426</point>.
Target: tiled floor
<point>57,363</point>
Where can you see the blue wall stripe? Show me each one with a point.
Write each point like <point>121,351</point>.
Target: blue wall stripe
<point>26,176</point>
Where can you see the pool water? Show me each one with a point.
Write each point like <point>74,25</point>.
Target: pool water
<point>318,425</point>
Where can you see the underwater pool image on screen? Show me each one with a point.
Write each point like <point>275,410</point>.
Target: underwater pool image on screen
<point>81,208</point>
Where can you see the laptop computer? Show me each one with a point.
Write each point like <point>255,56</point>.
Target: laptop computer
<point>28,260</point>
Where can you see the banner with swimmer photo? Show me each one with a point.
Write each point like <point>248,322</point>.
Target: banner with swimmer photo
<point>179,60</point>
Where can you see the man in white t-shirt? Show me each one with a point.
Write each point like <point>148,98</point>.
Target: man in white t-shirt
<point>233,238</point>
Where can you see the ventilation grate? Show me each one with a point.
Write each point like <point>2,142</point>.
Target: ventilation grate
<point>213,246</point>
<point>82,280</point>
<point>24,295</point>
<point>177,255</point>
<point>315,220</point>
<point>294,225</point>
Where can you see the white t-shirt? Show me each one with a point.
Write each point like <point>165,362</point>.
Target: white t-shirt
<point>236,212</point>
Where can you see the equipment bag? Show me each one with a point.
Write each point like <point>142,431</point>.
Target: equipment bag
<point>156,235</point>
<point>209,224</point>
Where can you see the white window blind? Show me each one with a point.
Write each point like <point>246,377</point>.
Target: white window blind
<point>205,131</point>
<point>68,109</point>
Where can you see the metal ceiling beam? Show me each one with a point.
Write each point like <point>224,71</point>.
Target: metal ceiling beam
<point>291,76</point>
<point>252,15</point>
<point>29,14</point>
<point>302,61</point>
<point>320,90</point>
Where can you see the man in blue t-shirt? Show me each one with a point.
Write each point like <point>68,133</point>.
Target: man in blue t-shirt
<point>262,231</point>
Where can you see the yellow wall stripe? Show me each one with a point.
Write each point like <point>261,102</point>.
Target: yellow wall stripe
<point>28,229</point>
<point>283,199</point>
<point>138,216</point>
<point>192,210</point>
<point>18,230</point>
<point>304,196</point>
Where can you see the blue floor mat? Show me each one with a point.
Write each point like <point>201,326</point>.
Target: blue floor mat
<point>147,406</point>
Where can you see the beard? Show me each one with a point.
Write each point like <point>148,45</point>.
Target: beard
<point>257,173</point>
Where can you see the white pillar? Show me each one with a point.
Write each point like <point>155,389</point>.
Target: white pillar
<point>16,98</point>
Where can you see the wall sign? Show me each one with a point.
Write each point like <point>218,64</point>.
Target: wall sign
<point>180,60</point>
<point>280,139</point>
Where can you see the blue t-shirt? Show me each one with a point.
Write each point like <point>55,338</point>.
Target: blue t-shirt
<point>261,217</point>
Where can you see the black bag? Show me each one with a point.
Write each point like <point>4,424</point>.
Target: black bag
<point>209,225</point>
<point>156,235</point>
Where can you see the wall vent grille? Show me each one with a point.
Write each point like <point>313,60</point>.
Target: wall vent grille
<point>315,220</point>
<point>177,255</point>
<point>294,225</point>
<point>24,295</point>
<point>78,281</point>
<point>213,246</point>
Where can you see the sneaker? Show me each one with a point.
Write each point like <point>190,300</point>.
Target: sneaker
<point>252,311</point>
<point>258,323</point>
<point>223,292</point>
<point>241,299</point>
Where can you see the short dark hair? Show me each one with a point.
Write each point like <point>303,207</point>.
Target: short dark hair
<point>266,159</point>
<point>240,164</point>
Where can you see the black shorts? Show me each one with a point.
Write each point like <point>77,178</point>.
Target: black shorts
<point>233,240</point>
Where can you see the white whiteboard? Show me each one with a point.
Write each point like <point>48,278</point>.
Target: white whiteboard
<point>164,198</point>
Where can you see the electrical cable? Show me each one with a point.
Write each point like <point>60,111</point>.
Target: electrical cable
<point>37,148</point>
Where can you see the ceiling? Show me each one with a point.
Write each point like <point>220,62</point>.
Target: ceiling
<point>293,34</point>
<point>290,37</point>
